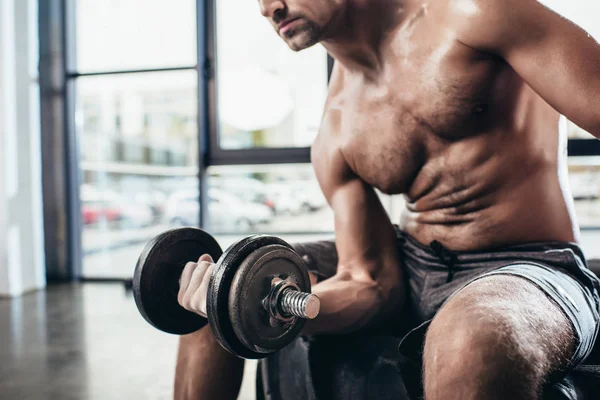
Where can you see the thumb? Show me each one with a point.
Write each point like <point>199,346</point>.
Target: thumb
<point>205,257</point>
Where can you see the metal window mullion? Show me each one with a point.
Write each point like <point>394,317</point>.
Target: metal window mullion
<point>211,71</point>
<point>204,38</point>
<point>73,182</point>
<point>51,48</point>
<point>71,143</point>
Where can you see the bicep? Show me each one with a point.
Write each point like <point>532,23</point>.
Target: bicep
<point>365,236</point>
<point>364,233</point>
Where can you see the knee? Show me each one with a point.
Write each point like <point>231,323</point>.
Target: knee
<point>481,346</point>
<point>477,343</point>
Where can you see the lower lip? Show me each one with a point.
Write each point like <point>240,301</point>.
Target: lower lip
<point>288,26</point>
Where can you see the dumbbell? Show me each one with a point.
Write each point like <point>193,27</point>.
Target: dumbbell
<point>258,294</point>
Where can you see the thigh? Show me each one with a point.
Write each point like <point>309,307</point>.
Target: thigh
<point>506,318</point>
<point>561,297</point>
<point>541,309</point>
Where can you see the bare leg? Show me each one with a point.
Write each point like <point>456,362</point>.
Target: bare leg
<point>499,338</point>
<point>205,370</point>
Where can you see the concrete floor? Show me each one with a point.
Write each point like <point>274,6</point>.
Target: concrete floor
<point>86,341</point>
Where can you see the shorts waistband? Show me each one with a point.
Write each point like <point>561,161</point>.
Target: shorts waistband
<point>436,251</point>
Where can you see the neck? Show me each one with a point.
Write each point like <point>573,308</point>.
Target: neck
<point>356,34</point>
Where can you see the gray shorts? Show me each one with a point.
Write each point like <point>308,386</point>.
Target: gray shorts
<point>434,274</point>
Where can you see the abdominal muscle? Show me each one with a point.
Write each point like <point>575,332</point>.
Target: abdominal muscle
<point>500,202</point>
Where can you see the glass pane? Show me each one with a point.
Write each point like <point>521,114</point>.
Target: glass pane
<point>265,199</point>
<point>584,174</point>
<point>135,34</point>
<point>138,146</point>
<point>268,95</point>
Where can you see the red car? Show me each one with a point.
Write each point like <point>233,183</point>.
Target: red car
<point>93,212</point>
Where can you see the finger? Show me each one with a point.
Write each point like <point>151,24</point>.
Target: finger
<point>192,288</point>
<point>202,293</point>
<point>206,257</point>
<point>313,279</point>
<point>184,280</point>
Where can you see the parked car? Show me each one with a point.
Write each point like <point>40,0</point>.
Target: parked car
<point>93,212</point>
<point>97,206</point>
<point>135,215</point>
<point>247,189</point>
<point>226,212</point>
<point>308,193</point>
<point>285,198</point>
<point>106,205</point>
<point>155,200</point>
<point>183,209</point>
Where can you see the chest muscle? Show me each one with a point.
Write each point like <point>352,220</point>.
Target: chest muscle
<point>425,100</point>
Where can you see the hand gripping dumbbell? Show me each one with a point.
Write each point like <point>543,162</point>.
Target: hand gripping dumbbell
<point>258,295</point>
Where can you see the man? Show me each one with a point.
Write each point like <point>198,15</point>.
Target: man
<point>455,104</point>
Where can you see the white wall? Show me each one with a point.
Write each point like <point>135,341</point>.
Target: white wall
<point>21,228</point>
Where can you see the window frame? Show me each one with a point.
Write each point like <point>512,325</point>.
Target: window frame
<point>584,147</point>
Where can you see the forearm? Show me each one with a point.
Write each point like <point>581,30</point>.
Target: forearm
<point>349,304</point>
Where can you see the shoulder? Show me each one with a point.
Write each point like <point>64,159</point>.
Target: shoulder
<point>329,162</point>
<point>329,140</point>
<point>490,25</point>
<point>326,152</point>
<point>485,10</point>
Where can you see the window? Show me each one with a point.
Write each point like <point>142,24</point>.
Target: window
<point>138,145</point>
<point>137,101</point>
<point>268,96</point>
<point>138,119</point>
<point>113,35</point>
<point>584,174</point>
<point>266,199</point>
<point>137,132</point>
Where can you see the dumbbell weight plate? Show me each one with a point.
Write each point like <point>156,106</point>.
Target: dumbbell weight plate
<point>251,284</point>
<point>218,299</point>
<point>157,274</point>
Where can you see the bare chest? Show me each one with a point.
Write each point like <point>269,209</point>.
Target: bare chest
<point>426,99</point>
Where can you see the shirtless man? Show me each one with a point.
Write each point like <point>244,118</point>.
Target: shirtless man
<point>455,104</point>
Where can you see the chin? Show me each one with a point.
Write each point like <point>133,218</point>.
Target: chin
<point>301,41</point>
<point>300,46</point>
